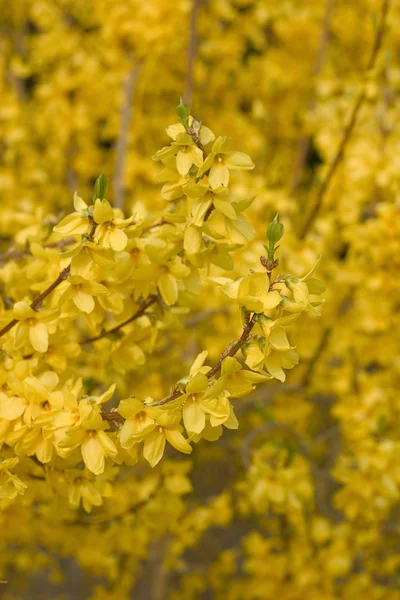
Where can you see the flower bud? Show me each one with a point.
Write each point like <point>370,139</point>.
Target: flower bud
<point>275,230</point>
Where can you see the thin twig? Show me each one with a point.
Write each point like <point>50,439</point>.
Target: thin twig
<point>37,301</point>
<point>304,143</point>
<point>349,127</point>
<point>121,146</point>
<point>191,52</point>
<point>231,350</point>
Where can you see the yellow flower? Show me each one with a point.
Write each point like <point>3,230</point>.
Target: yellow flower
<point>139,421</point>
<point>82,487</point>
<point>166,276</point>
<point>33,325</point>
<point>167,429</point>
<point>109,232</point>
<point>237,381</point>
<point>10,484</point>
<point>77,222</point>
<point>88,433</point>
<point>82,293</point>
<point>252,292</point>
<point>186,153</point>
<point>35,399</point>
<point>86,253</point>
<point>95,447</point>
<point>275,354</point>
<point>220,160</point>
<point>206,135</point>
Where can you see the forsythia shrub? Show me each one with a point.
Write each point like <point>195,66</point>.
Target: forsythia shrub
<point>178,416</point>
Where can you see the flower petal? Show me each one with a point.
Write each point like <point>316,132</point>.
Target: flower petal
<point>93,455</point>
<point>176,439</point>
<point>194,418</point>
<point>219,175</point>
<point>118,240</point>
<point>11,408</point>
<point>168,287</point>
<point>39,337</point>
<point>83,301</point>
<point>154,445</point>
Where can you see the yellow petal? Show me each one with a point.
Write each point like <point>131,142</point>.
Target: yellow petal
<point>154,445</point>
<point>226,208</point>
<point>21,332</point>
<point>79,204</point>
<point>206,135</point>
<point>278,339</point>
<point>93,455</point>
<point>254,356</point>
<point>107,444</point>
<point>22,310</point>
<point>83,301</point>
<point>176,439</point>
<point>81,263</point>
<point>102,211</point>
<point>118,239</point>
<point>192,240</point>
<point>72,223</point>
<point>273,366</point>
<point>198,362</point>
<point>39,337</point>
<point>271,300</point>
<point>240,160</point>
<point>198,383</point>
<point>194,418</point>
<point>130,407</point>
<point>168,287</point>
<point>128,430</point>
<point>11,408</point>
<point>219,175</point>
<point>174,130</point>
<point>184,161</point>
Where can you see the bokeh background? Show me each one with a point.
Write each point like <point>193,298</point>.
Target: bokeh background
<point>303,501</point>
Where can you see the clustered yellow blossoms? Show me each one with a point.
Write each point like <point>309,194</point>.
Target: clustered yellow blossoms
<point>283,79</point>
<point>114,265</point>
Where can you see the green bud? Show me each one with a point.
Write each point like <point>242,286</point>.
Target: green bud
<point>183,112</point>
<point>275,230</point>
<point>100,187</point>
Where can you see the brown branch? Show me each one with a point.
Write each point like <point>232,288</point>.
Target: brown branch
<point>304,143</point>
<point>349,127</point>
<point>191,51</point>
<point>135,316</point>
<point>121,146</point>
<point>37,301</point>
<point>231,350</point>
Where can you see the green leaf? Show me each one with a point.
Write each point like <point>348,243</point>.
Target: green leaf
<point>100,187</point>
<point>183,112</point>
